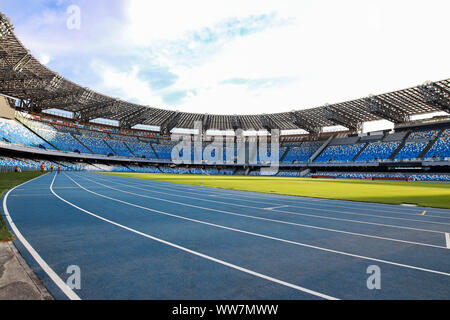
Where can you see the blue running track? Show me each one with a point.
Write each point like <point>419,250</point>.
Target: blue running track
<point>141,239</point>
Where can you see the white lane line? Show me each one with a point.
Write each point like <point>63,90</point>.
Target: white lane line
<point>306,207</point>
<point>201,255</point>
<point>261,235</point>
<point>278,207</point>
<point>303,206</point>
<point>275,210</point>
<point>48,270</point>
<point>255,217</point>
<point>447,240</point>
<point>353,205</point>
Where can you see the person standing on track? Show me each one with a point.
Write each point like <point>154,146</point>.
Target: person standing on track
<point>42,166</point>
<point>59,168</point>
<point>51,168</point>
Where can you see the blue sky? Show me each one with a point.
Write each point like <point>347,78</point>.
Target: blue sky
<point>238,57</point>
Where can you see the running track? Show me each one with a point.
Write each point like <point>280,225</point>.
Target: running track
<point>141,239</point>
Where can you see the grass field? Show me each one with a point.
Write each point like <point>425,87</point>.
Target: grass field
<point>392,192</point>
<point>8,181</point>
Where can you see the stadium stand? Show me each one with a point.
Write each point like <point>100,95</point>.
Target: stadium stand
<point>95,143</point>
<point>62,140</point>
<point>300,153</point>
<point>382,176</point>
<point>13,131</point>
<point>324,136</point>
<point>9,164</point>
<point>411,150</point>
<point>441,148</point>
<point>288,174</point>
<point>378,151</point>
<point>423,135</point>
<point>163,151</point>
<point>142,150</point>
<point>340,153</point>
<point>399,146</point>
<point>120,148</point>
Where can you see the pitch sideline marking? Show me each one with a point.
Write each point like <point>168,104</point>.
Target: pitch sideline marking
<point>48,270</point>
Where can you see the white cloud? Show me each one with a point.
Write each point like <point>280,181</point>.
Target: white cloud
<point>161,20</point>
<point>329,51</point>
<point>332,51</point>
<point>128,85</point>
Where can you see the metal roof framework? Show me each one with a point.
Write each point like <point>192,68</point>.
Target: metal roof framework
<point>22,76</point>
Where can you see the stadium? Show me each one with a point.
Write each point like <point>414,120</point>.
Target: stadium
<point>160,204</point>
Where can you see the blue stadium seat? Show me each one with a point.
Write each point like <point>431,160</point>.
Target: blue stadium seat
<point>340,153</point>
<point>378,151</point>
<point>14,132</point>
<point>411,150</point>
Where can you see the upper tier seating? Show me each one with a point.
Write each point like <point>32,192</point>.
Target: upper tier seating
<point>95,143</point>
<point>61,140</point>
<point>142,150</point>
<point>441,148</point>
<point>423,135</point>
<point>411,150</point>
<point>378,151</point>
<point>302,152</point>
<point>377,147</point>
<point>120,148</point>
<point>14,132</point>
<point>164,151</point>
<point>341,153</point>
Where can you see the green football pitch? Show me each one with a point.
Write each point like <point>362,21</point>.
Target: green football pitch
<point>392,192</point>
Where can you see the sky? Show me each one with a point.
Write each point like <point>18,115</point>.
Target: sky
<point>234,56</point>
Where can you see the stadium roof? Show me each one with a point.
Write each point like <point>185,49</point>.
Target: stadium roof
<point>22,76</point>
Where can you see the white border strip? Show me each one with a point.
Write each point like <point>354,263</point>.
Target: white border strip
<point>447,240</point>
<point>50,272</point>
<point>260,275</point>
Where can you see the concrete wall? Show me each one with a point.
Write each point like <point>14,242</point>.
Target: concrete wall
<point>5,109</point>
